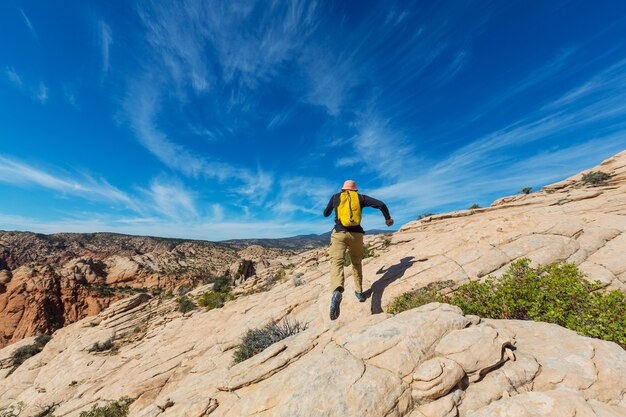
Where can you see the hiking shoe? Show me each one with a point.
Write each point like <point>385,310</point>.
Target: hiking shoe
<point>360,296</point>
<point>335,302</point>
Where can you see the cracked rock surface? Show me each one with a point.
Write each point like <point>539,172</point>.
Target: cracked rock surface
<point>429,361</point>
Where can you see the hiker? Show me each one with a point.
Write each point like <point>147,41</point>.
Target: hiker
<point>348,234</point>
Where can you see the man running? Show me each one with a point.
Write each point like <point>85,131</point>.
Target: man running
<point>348,234</point>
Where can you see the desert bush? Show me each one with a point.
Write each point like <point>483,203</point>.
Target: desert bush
<point>556,293</point>
<point>12,410</point>
<point>183,289</point>
<point>22,353</point>
<point>595,178</point>
<point>346,259</point>
<point>185,304</point>
<point>386,242</point>
<point>117,408</point>
<point>419,297</point>
<point>474,206</point>
<point>42,340</point>
<point>211,299</point>
<point>255,341</point>
<point>280,275</point>
<point>527,190</point>
<point>102,346</point>
<point>103,290</point>
<point>222,284</point>
<point>367,253</point>
<point>297,279</point>
<point>424,215</point>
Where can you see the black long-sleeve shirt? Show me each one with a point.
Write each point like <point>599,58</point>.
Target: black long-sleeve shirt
<point>364,201</point>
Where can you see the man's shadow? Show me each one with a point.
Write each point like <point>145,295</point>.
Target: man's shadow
<point>390,275</point>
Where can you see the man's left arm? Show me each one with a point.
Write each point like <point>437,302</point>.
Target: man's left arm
<point>367,201</point>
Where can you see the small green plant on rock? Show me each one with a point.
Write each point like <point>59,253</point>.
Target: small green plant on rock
<point>117,408</point>
<point>527,190</point>
<point>367,252</point>
<point>12,410</point>
<point>474,206</point>
<point>297,279</point>
<point>211,300</point>
<point>22,353</point>
<point>185,304</point>
<point>419,297</point>
<point>255,341</point>
<point>595,178</point>
<point>424,215</point>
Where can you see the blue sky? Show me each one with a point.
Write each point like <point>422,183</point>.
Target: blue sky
<point>233,119</point>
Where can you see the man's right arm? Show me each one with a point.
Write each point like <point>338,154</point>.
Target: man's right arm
<point>329,207</point>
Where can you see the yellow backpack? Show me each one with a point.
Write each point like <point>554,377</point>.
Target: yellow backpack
<point>349,209</point>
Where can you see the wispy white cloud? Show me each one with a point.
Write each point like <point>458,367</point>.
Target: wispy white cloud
<point>172,199</point>
<point>14,77</point>
<point>39,93</point>
<point>457,64</point>
<point>106,40</point>
<point>142,105</point>
<point>18,173</point>
<point>381,149</point>
<point>29,25</point>
<point>42,93</point>
<point>302,195</point>
<point>202,229</point>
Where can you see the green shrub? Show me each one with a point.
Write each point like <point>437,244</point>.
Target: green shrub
<point>102,346</point>
<point>24,352</point>
<point>103,290</point>
<point>211,299</point>
<point>424,215</point>
<point>346,259</point>
<point>255,341</point>
<point>280,275</point>
<point>42,340</point>
<point>527,190</point>
<point>595,178</point>
<point>556,293</point>
<point>474,206</point>
<point>185,304</point>
<point>297,279</point>
<point>367,252</point>
<point>222,284</point>
<point>183,289</point>
<point>419,297</point>
<point>169,294</point>
<point>386,242</point>
<point>12,410</point>
<point>117,408</point>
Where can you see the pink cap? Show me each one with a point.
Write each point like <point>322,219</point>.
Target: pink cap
<point>349,185</point>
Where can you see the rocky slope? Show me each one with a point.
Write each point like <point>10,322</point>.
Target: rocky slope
<point>48,281</point>
<point>431,361</point>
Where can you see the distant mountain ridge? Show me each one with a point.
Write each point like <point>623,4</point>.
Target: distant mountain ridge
<point>310,241</point>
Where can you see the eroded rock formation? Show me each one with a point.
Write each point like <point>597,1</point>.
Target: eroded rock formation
<point>48,281</point>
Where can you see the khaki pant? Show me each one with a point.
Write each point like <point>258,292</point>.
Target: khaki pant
<point>339,242</point>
